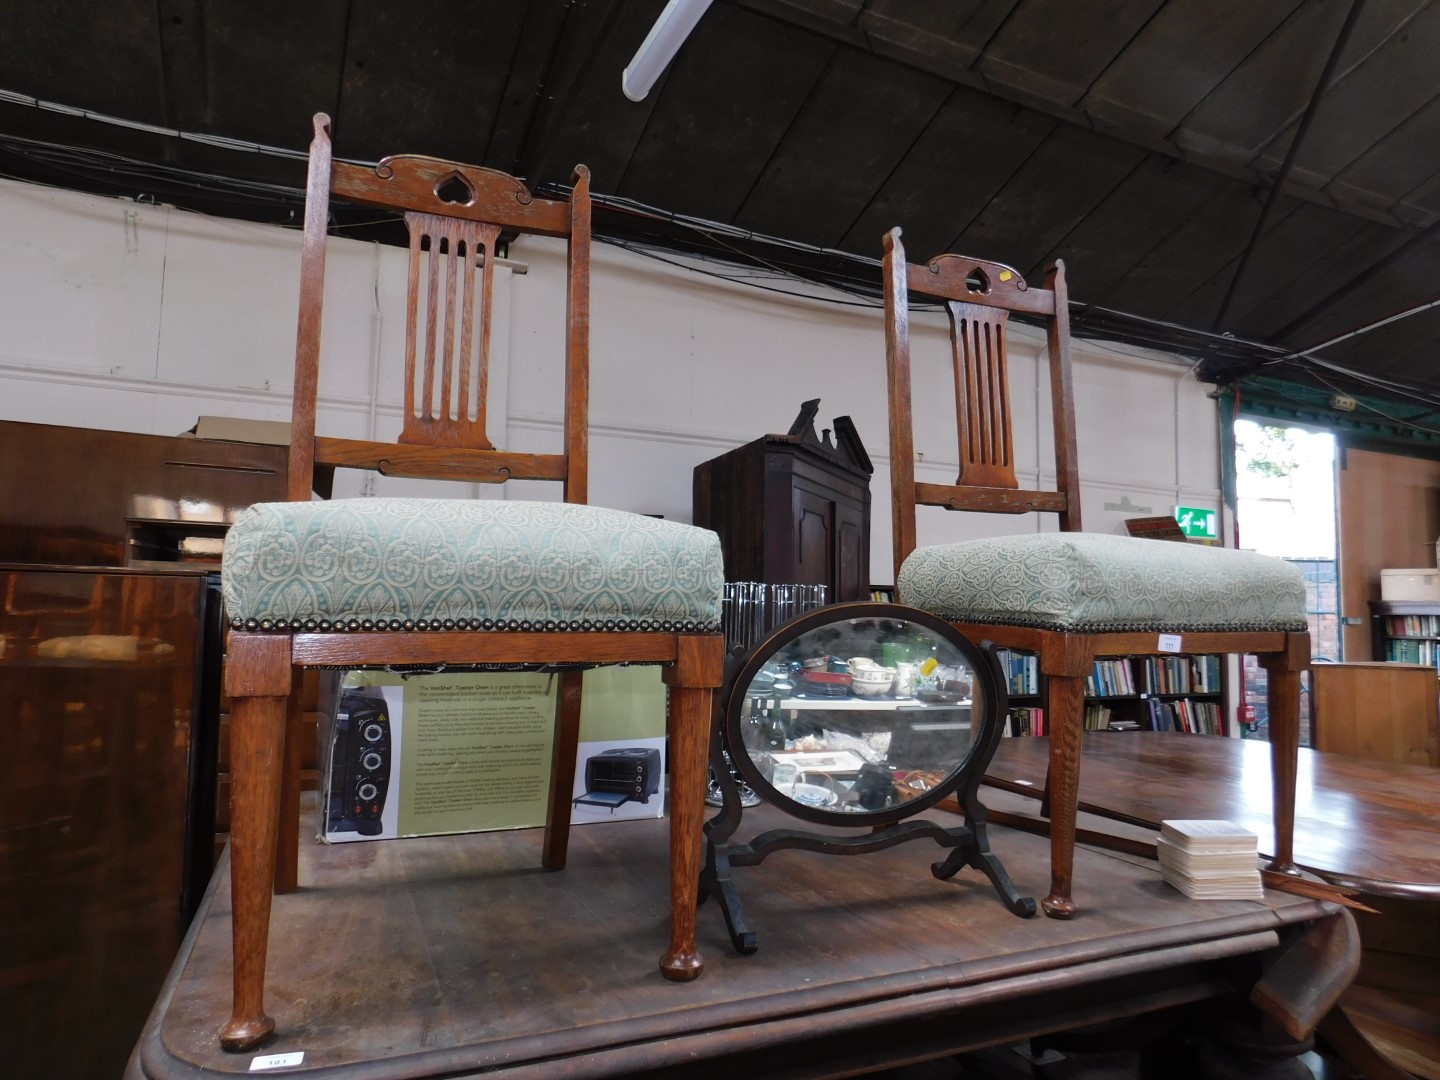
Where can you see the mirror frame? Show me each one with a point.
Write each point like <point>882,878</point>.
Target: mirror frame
<point>985,674</point>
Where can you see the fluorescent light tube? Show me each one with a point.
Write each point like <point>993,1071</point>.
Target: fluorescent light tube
<point>660,46</point>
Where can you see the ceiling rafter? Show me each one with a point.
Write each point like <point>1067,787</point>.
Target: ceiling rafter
<point>873,40</point>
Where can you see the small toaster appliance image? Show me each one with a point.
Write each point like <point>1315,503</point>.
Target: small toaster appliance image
<point>359,764</point>
<point>631,771</point>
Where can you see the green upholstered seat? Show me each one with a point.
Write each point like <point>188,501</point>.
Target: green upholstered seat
<point>443,564</point>
<point>1093,583</point>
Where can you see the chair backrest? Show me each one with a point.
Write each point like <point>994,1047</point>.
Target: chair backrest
<point>979,297</point>
<point>455,214</point>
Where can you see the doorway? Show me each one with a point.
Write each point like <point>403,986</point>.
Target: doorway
<point>1285,484</point>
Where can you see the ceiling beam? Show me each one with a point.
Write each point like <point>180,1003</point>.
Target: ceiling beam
<point>574,50</point>
<point>1321,85</point>
<point>946,60</point>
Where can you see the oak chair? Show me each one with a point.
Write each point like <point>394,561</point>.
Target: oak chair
<point>377,582</point>
<point>1067,596</point>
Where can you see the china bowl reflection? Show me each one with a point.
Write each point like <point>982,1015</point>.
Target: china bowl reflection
<point>813,795</point>
<point>870,680</point>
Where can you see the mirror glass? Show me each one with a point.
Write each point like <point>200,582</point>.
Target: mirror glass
<point>851,716</point>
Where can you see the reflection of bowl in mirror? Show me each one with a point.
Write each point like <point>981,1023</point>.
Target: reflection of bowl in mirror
<point>872,680</point>
<point>816,663</point>
<point>871,689</point>
<point>813,795</point>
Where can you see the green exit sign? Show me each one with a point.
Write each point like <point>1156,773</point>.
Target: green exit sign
<point>1197,523</point>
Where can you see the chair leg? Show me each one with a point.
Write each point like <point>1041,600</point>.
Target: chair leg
<point>689,738</point>
<point>257,678</point>
<point>1284,707</point>
<point>1066,706</point>
<point>287,851</point>
<point>556,841</point>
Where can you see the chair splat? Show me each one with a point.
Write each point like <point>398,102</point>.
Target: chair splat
<point>451,343</point>
<point>982,395</point>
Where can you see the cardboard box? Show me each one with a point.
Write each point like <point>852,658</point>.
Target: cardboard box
<point>237,429</point>
<point>1421,583</point>
<point>426,754</point>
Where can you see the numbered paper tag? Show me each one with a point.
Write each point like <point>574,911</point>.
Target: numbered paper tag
<point>1169,642</point>
<point>277,1061</point>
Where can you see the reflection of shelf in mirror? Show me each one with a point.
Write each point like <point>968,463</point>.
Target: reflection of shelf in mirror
<point>821,761</point>
<point>869,704</point>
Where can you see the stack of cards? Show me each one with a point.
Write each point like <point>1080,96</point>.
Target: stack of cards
<point>1210,860</point>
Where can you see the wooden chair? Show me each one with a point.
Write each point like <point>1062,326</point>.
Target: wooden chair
<point>379,582</point>
<point>1068,596</point>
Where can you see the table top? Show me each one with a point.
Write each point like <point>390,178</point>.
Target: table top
<point>1367,825</point>
<point>453,955</point>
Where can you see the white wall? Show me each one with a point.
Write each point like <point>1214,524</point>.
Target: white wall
<point>141,318</point>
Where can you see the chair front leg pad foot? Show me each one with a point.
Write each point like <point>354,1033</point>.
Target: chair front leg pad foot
<point>681,967</point>
<point>1289,869</point>
<point>239,1036</point>
<point>1058,907</point>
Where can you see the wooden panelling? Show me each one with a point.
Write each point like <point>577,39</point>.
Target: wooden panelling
<point>1377,712</point>
<point>1389,510</point>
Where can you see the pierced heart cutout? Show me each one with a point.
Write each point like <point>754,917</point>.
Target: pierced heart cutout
<point>455,189</point>
<point>977,281</point>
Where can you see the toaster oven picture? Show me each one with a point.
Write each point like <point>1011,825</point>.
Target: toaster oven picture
<point>360,763</point>
<point>625,773</point>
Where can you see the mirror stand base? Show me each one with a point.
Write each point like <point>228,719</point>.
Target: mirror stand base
<point>969,844</point>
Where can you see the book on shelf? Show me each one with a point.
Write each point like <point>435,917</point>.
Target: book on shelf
<point>1110,678</point>
<point>1025,721</point>
<point>1185,715</point>
<point>1209,859</point>
<point>1412,625</point>
<point>1021,670</point>
<point>1169,692</point>
<point>1412,651</point>
<point>1181,674</point>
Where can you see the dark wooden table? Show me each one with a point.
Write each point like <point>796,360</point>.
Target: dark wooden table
<point>1373,827</point>
<point>1369,825</point>
<point>449,956</point>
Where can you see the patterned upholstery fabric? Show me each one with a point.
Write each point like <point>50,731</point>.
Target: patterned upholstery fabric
<point>440,564</point>
<point>1090,582</point>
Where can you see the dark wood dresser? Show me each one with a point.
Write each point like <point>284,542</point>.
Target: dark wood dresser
<point>110,649</point>
<point>792,508</point>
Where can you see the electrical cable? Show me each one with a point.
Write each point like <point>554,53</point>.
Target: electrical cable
<point>848,274</point>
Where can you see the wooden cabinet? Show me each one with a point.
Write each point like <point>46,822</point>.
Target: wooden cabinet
<point>115,498</point>
<point>792,508</point>
<point>1378,712</point>
<point>102,809</point>
<point>110,649</point>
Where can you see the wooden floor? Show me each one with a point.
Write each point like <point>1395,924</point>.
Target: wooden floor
<point>449,956</point>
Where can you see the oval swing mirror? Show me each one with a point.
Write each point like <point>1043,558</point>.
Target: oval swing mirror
<point>861,714</point>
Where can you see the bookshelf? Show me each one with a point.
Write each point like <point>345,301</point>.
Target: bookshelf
<point>1133,693</point>
<point>1406,631</point>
